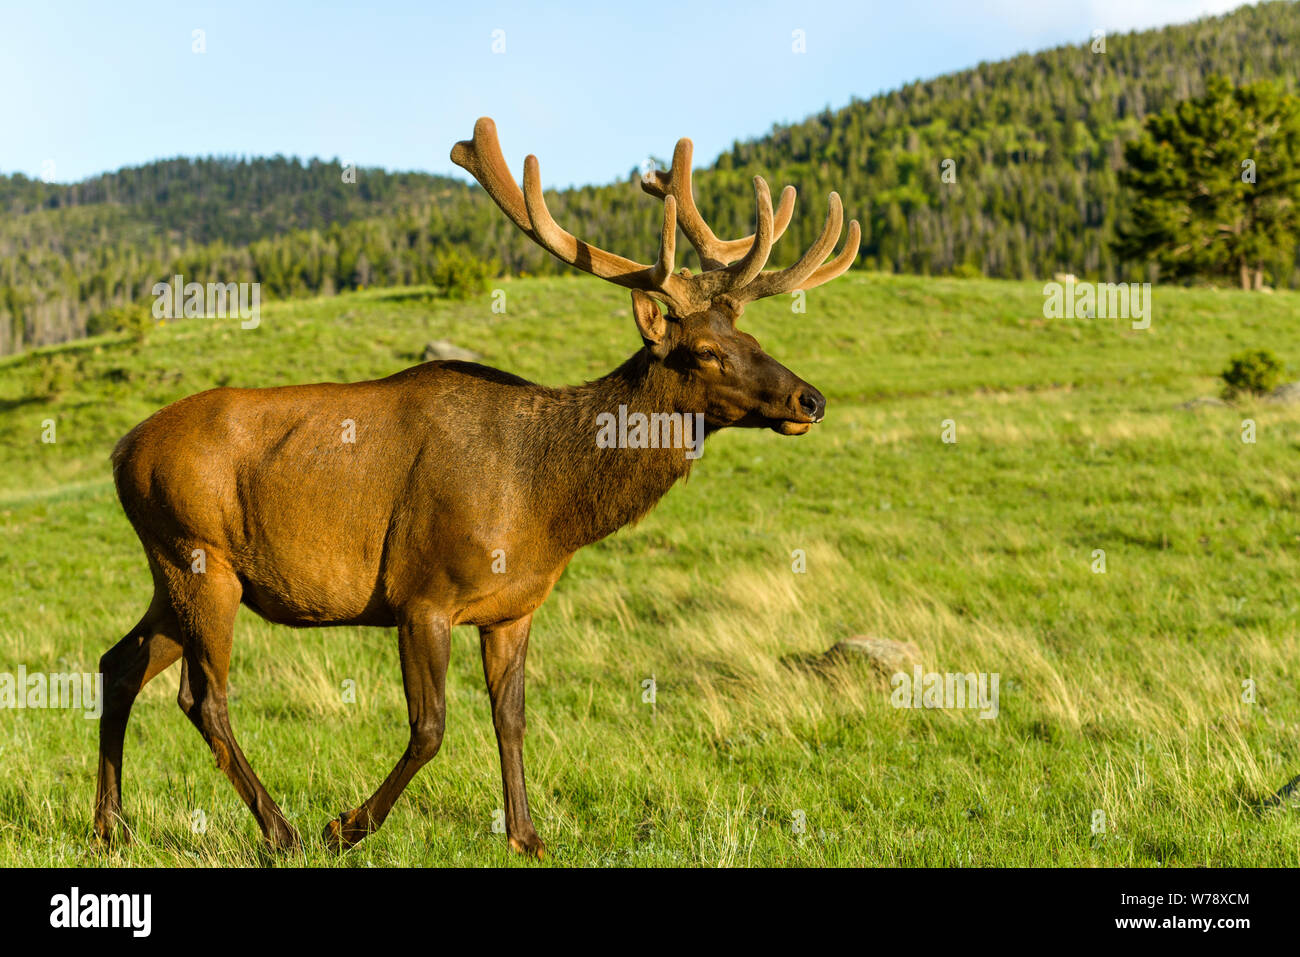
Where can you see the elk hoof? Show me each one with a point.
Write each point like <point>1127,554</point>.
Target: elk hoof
<point>111,833</point>
<point>529,845</point>
<point>344,831</point>
<point>282,838</point>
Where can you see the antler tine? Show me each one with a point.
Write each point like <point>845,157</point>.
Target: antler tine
<point>481,158</point>
<point>740,274</point>
<point>714,253</point>
<point>765,234</point>
<point>567,247</point>
<point>841,263</point>
<point>774,283</point>
<point>663,267</point>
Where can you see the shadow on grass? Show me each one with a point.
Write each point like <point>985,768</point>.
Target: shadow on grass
<point>422,294</point>
<point>7,405</point>
<point>1287,796</point>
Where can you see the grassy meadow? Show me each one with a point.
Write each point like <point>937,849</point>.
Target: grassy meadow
<point>1121,692</point>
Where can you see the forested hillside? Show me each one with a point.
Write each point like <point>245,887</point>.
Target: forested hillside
<point>1036,143</point>
<point>68,252</point>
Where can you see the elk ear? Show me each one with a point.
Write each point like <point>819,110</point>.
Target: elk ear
<point>651,323</point>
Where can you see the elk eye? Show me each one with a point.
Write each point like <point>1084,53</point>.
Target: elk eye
<point>708,355</point>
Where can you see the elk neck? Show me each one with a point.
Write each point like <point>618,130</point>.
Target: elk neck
<point>591,492</point>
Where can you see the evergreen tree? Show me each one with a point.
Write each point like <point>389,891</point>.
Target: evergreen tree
<point>1216,183</point>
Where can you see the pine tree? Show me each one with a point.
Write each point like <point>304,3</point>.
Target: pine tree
<point>1216,183</point>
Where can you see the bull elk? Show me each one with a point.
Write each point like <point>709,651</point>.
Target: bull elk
<point>452,464</point>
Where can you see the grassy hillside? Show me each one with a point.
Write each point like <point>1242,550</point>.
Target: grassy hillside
<point>1120,692</point>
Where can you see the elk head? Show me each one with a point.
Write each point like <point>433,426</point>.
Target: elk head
<point>723,371</point>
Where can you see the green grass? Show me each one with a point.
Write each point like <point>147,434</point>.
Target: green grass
<point>1120,692</point>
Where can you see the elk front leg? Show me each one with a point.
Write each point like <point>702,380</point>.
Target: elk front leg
<point>424,646</point>
<point>505,645</point>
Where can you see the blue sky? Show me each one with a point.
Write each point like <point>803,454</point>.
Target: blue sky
<point>592,90</point>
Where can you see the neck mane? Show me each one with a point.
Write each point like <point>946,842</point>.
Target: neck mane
<point>592,491</point>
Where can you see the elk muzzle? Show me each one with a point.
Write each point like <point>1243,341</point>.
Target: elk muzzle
<point>804,407</point>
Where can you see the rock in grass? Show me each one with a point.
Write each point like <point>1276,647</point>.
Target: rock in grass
<point>443,349</point>
<point>1204,402</point>
<point>883,655</point>
<point>1287,393</point>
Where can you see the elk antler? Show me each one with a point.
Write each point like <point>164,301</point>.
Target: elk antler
<point>733,267</point>
<point>676,182</point>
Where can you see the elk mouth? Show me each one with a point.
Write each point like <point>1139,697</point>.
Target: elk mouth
<point>792,426</point>
<point>806,407</point>
<point>789,423</point>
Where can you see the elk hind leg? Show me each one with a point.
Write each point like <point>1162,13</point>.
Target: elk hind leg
<point>147,650</point>
<point>207,614</point>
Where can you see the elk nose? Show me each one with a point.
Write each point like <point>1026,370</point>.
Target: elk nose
<point>813,403</point>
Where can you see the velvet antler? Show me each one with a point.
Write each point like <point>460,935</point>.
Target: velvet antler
<point>730,267</point>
